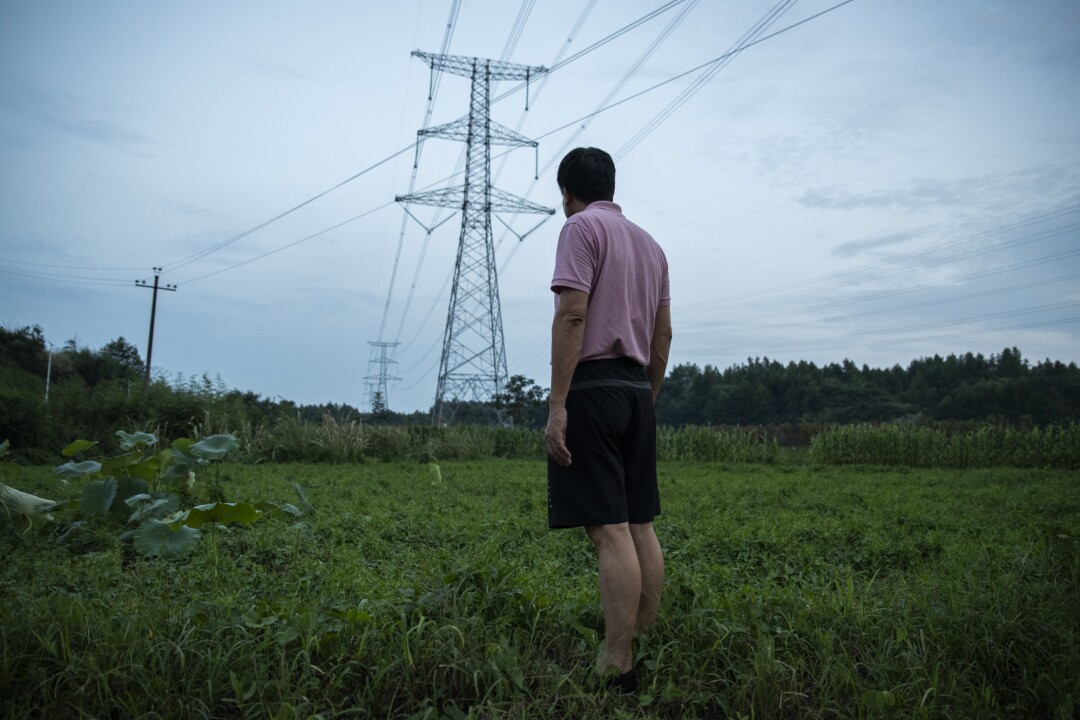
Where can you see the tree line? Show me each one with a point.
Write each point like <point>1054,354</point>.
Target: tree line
<point>1003,388</point>
<point>94,392</point>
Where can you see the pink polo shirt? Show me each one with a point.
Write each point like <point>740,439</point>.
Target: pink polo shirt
<point>625,273</point>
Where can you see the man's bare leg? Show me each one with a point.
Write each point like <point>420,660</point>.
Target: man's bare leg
<point>620,593</point>
<point>651,564</point>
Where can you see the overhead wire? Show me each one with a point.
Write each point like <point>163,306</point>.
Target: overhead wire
<point>538,87</point>
<point>276,250</point>
<point>519,27</point>
<point>688,92</point>
<point>70,279</point>
<point>512,41</point>
<point>556,63</point>
<point>731,53</point>
<point>630,73</point>
<point>436,77</point>
<point>182,262</point>
<point>68,266</point>
<point>172,267</point>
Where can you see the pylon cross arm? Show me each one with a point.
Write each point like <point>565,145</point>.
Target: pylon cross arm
<point>454,197</point>
<point>494,69</point>
<point>459,130</point>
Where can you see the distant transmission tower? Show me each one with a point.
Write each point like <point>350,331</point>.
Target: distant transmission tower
<point>473,365</point>
<point>379,377</point>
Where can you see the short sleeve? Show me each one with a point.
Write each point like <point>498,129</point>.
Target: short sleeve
<point>575,259</point>
<point>665,287</point>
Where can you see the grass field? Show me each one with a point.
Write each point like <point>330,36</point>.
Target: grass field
<point>793,591</point>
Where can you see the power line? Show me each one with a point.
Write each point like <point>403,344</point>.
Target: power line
<point>720,59</point>
<point>763,24</point>
<point>240,236</point>
<point>292,244</point>
<point>692,70</point>
<point>433,87</point>
<point>81,268</point>
<point>70,279</point>
<point>520,22</point>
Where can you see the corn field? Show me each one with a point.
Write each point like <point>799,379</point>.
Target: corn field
<point>916,446</point>
<point>706,444</point>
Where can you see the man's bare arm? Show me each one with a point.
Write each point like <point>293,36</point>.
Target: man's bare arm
<point>567,335</point>
<point>659,348</point>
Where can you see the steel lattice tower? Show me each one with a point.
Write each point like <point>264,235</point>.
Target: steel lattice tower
<point>473,365</point>
<point>378,377</point>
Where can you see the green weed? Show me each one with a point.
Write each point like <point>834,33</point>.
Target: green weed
<point>804,591</point>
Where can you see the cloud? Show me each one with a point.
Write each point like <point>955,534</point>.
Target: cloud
<point>921,193</point>
<point>20,98</point>
<point>856,247</point>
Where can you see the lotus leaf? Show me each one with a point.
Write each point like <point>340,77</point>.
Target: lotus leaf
<point>155,538</point>
<point>79,446</point>
<point>78,470</point>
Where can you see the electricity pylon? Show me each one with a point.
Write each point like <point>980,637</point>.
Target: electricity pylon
<point>379,383</point>
<point>473,365</point>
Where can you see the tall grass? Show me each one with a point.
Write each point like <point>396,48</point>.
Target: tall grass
<point>918,446</point>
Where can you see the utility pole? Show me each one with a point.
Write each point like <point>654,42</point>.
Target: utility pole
<point>473,364</point>
<point>153,312</point>
<point>48,374</point>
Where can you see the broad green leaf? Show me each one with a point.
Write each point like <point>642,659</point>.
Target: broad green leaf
<point>115,466</point>
<point>78,470</point>
<point>135,440</point>
<point>286,635</point>
<point>142,472</point>
<point>183,445</point>
<point>220,512</point>
<point>160,460</point>
<point>79,446</point>
<point>183,459</point>
<point>215,447</point>
<point>4,447</point>
<point>155,538</point>
<point>97,497</point>
<point>138,499</point>
<point>125,488</point>
<point>157,508</point>
<point>17,502</point>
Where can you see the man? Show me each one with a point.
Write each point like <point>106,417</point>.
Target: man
<point>609,349</point>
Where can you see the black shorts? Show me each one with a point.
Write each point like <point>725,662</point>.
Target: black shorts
<point>611,435</point>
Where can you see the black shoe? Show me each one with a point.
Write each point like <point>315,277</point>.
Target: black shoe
<point>625,683</point>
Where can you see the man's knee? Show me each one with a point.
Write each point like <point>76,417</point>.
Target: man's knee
<point>607,535</point>
<point>641,532</point>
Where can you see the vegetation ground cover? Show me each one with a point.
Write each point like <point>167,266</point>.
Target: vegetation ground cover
<point>793,590</point>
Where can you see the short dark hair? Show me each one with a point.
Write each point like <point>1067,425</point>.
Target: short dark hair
<point>588,174</point>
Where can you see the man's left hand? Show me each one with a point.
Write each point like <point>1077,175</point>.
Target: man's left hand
<point>555,434</point>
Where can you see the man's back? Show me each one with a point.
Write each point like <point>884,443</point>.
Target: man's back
<point>623,270</point>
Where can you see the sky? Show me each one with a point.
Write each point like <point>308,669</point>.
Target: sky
<point>886,181</point>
